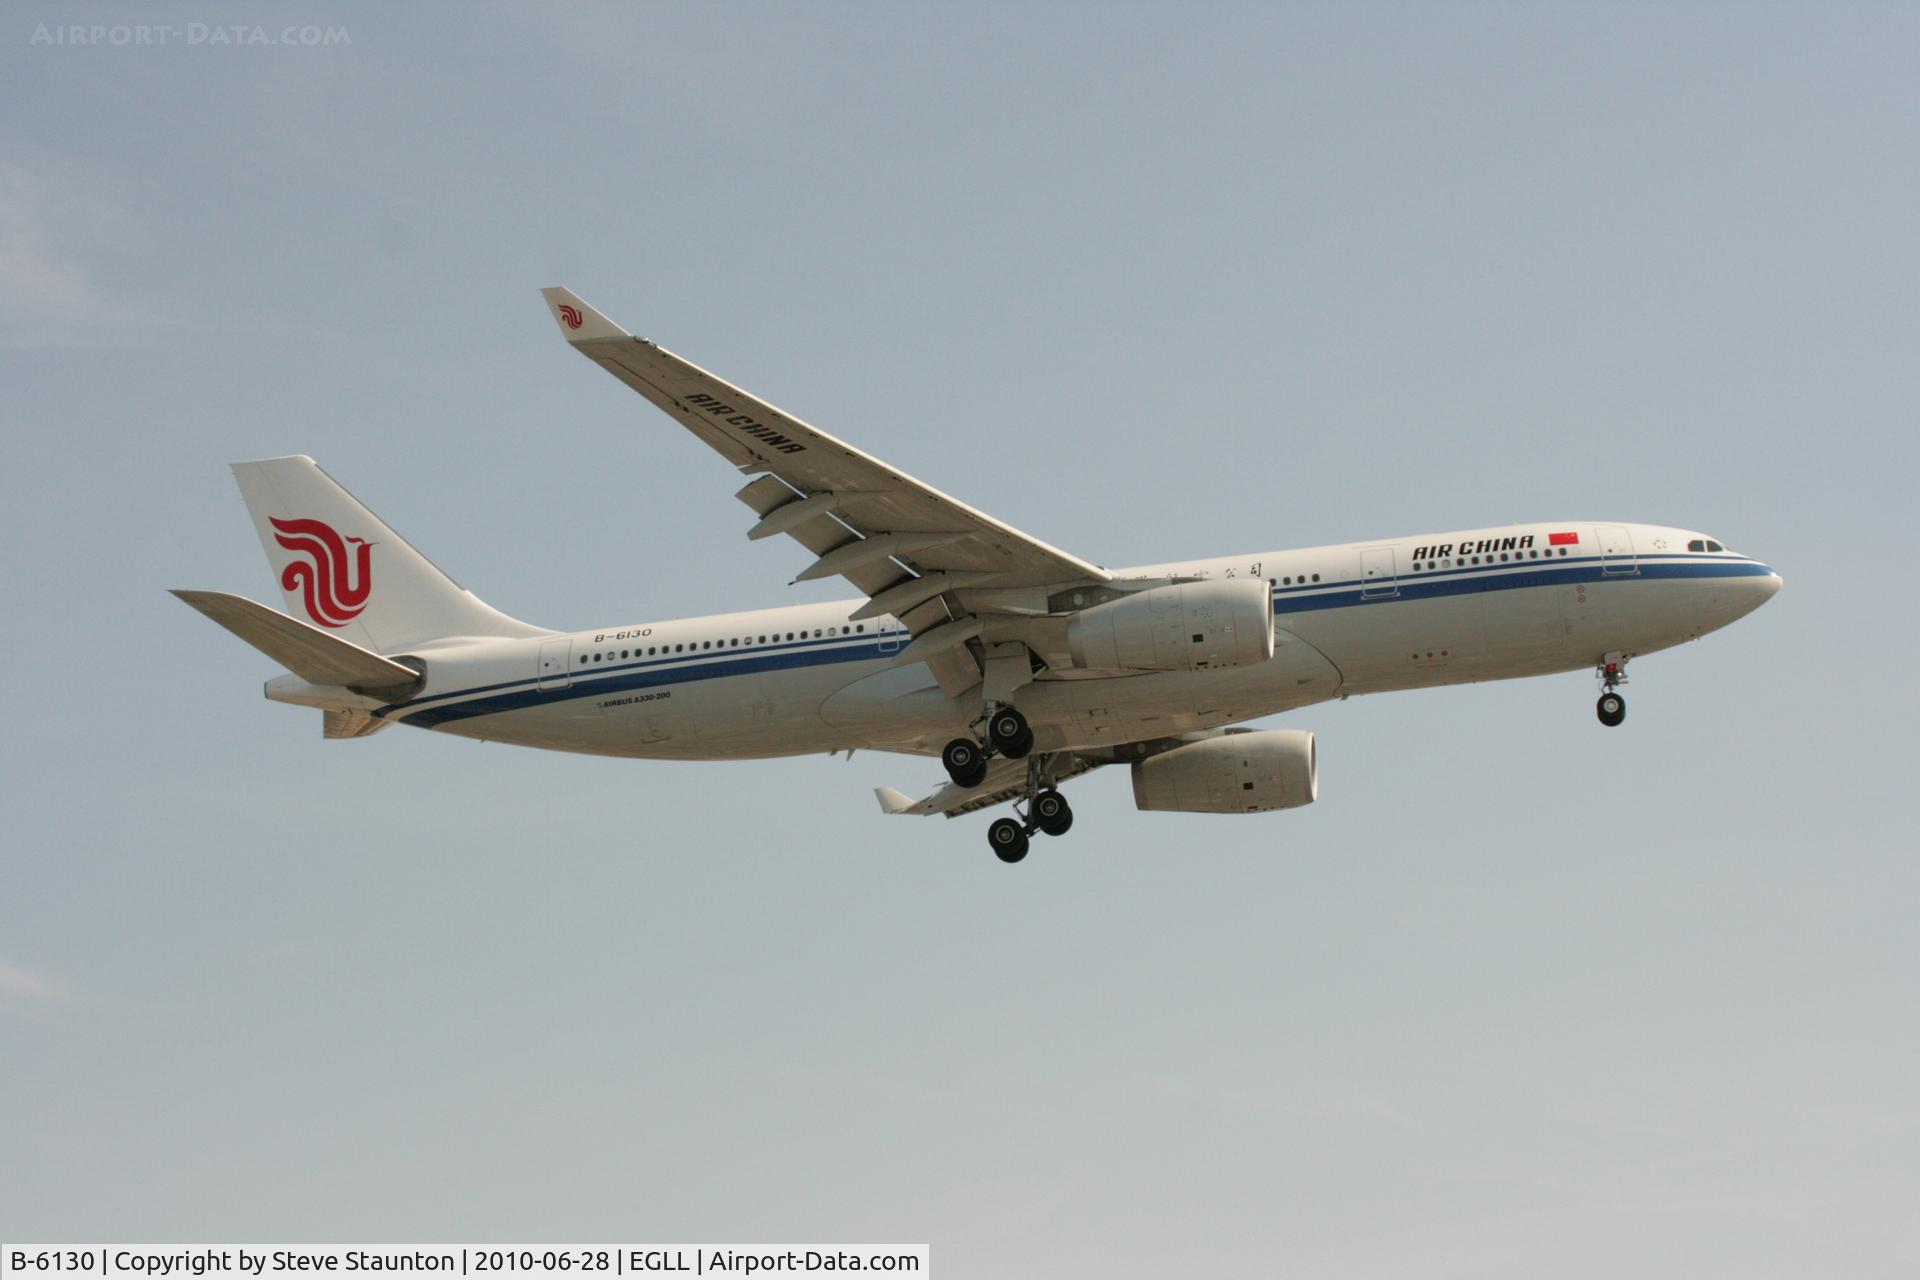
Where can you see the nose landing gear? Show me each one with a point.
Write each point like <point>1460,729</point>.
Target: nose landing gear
<point>1612,708</point>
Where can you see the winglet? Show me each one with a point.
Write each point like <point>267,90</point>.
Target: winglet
<point>892,801</point>
<point>579,322</point>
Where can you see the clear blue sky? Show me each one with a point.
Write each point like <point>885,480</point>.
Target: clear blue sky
<point>1519,993</point>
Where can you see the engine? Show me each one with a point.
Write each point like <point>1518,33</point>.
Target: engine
<point>1250,772</point>
<point>1191,626</point>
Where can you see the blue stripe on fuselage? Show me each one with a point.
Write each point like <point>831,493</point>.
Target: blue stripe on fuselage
<point>645,676</point>
<point>1503,577</point>
<point>514,695</point>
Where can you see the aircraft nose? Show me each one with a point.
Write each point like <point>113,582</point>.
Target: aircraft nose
<point>1751,592</point>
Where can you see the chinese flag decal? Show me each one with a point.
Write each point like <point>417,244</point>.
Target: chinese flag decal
<point>1563,539</point>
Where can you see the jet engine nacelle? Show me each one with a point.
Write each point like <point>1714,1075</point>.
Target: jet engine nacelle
<point>1191,626</point>
<point>1234,773</point>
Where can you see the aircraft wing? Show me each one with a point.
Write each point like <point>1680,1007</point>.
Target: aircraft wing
<point>1006,780</point>
<point>914,551</point>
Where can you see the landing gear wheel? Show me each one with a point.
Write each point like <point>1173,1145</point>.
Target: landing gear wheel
<point>1009,840</point>
<point>1008,732</point>
<point>1612,709</point>
<point>1051,813</point>
<point>965,763</point>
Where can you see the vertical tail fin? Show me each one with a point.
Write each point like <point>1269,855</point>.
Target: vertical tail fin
<point>343,569</point>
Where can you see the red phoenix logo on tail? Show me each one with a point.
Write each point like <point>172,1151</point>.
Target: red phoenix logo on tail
<point>335,591</point>
<point>571,315</point>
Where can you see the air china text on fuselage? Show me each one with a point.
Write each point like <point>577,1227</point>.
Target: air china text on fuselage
<point>1018,664</point>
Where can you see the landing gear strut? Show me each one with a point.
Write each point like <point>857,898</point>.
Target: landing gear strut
<point>1044,810</point>
<point>1612,708</point>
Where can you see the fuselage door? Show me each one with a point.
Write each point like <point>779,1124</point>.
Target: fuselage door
<point>555,658</point>
<point>1377,575</point>
<point>1616,549</point>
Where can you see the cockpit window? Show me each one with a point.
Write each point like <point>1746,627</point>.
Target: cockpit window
<point>1714,546</point>
<point>1698,544</point>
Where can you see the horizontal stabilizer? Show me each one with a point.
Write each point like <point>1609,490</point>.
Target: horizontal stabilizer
<point>350,724</point>
<point>307,651</point>
<point>892,801</point>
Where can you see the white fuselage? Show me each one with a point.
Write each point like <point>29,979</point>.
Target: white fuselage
<point>1399,613</point>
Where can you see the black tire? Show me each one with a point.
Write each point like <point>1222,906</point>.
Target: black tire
<point>1612,709</point>
<point>964,762</point>
<point>1009,840</point>
<point>1051,812</point>
<point>1008,732</point>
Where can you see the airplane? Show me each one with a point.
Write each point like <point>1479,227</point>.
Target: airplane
<point>1020,665</point>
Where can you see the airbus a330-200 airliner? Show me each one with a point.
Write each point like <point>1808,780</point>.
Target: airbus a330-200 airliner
<point>1017,663</point>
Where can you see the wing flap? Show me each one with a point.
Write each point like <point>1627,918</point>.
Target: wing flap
<point>1006,780</point>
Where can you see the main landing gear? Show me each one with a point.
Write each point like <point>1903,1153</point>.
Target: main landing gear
<point>1612,708</point>
<point>1046,811</point>
<point>1007,734</point>
<point>1003,731</point>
